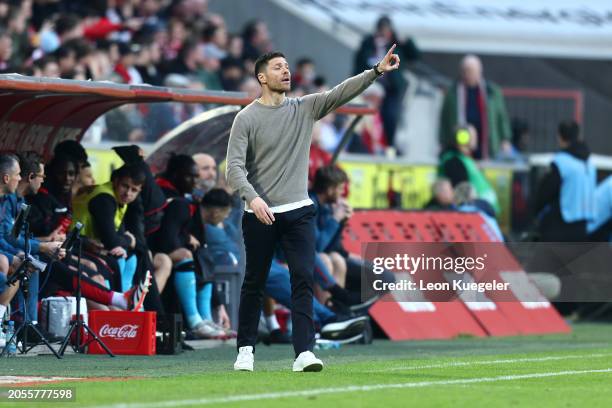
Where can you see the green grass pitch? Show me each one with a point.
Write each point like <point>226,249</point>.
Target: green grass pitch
<point>573,370</point>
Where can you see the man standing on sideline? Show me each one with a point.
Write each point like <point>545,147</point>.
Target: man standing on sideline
<point>267,163</point>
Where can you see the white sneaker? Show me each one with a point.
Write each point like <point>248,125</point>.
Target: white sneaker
<point>307,361</point>
<point>245,359</point>
<point>206,329</point>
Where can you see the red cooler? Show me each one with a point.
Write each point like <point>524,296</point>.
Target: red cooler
<point>131,333</point>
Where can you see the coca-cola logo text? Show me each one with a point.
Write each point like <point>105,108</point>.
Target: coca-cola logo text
<point>127,331</point>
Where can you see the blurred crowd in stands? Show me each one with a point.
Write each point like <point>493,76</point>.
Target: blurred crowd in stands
<point>181,44</point>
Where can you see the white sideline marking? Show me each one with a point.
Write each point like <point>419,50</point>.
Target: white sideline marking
<point>487,362</point>
<point>350,388</point>
<point>21,379</point>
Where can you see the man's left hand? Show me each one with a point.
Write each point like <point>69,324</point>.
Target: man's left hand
<point>390,62</point>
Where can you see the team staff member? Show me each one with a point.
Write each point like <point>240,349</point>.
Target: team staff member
<point>267,163</point>
<point>566,197</point>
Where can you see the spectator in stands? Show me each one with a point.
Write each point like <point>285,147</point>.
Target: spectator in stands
<point>256,40</point>
<point>66,59</point>
<point>442,196</point>
<point>372,49</point>
<point>148,60</point>
<point>458,165</point>
<point>6,52</point>
<point>318,157</point>
<point>475,101</point>
<point>68,27</point>
<point>466,200</point>
<point>209,73</point>
<point>250,86</point>
<point>191,11</point>
<point>565,200</point>
<point>330,136</point>
<point>16,26</point>
<point>235,46</point>
<point>371,129</point>
<point>175,238</point>
<point>126,68</point>
<point>215,41</point>
<point>46,67</point>
<point>100,62</point>
<point>232,73</point>
<point>304,75</point>
<point>520,135</point>
<point>188,60</point>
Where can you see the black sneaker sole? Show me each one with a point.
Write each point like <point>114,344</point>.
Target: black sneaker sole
<point>313,368</point>
<point>353,329</point>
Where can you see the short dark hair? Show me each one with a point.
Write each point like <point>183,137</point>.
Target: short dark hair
<point>7,163</point>
<point>43,61</point>
<point>249,30</point>
<point>58,160</point>
<point>73,149</point>
<point>304,61</point>
<point>328,176</point>
<point>66,23</point>
<point>383,21</point>
<point>179,164</point>
<point>29,162</point>
<point>80,46</point>
<point>131,171</point>
<point>217,197</point>
<point>262,61</point>
<point>569,131</point>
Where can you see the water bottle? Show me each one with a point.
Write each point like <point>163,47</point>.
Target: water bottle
<point>324,344</point>
<point>12,346</point>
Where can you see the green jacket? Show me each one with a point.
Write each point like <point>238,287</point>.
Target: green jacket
<point>476,177</point>
<point>498,122</point>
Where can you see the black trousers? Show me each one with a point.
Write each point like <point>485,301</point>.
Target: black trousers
<point>294,232</point>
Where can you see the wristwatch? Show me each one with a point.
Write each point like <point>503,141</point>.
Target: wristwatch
<point>376,70</point>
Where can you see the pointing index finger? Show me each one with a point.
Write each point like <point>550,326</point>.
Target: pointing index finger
<point>390,50</point>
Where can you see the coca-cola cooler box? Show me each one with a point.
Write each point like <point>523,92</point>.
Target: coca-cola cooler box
<point>123,332</point>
